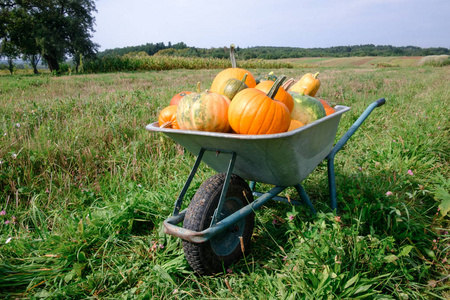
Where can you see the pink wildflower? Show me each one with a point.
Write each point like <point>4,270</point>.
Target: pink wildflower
<point>410,172</point>
<point>154,246</point>
<point>229,271</point>
<point>6,222</point>
<point>389,193</point>
<point>2,213</point>
<point>291,217</point>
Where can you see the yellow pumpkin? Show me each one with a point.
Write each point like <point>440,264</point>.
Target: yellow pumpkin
<point>307,85</point>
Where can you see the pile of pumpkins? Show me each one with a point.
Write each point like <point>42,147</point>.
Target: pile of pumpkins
<point>238,103</point>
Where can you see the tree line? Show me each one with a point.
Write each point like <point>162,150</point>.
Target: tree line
<point>47,29</point>
<point>259,52</point>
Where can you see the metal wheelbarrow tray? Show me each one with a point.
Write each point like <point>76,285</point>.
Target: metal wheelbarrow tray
<point>283,160</point>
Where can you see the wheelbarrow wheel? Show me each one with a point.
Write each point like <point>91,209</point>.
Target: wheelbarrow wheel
<point>216,254</point>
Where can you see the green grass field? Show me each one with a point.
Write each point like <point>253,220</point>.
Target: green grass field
<point>84,189</point>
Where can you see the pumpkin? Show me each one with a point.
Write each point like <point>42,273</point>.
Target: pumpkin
<point>204,111</point>
<point>233,72</point>
<point>175,99</point>
<point>306,108</point>
<point>307,85</point>
<point>281,95</point>
<point>327,105</point>
<point>264,77</point>
<point>295,124</point>
<point>168,117</point>
<point>255,112</point>
<point>233,86</point>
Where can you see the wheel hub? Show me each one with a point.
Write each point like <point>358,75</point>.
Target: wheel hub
<point>224,243</point>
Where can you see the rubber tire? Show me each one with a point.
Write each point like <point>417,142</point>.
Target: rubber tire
<point>204,258</point>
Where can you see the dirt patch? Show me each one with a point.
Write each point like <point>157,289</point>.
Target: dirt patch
<point>409,57</point>
<point>362,61</point>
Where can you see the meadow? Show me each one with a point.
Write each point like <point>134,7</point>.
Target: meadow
<point>84,189</point>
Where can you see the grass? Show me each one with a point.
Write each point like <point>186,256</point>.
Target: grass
<point>84,189</point>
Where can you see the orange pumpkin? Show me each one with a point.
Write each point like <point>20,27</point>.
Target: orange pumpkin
<point>175,99</point>
<point>295,124</point>
<point>254,112</point>
<point>307,85</point>
<point>281,95</point>
<point>168,117</point>
<point>233,72</point>
<point>204,111</point>
<point>328,108</point>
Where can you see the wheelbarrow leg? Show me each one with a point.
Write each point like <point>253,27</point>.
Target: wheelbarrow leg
<point>304,197</point>
<point>179,200</point>
<point>332,184</point>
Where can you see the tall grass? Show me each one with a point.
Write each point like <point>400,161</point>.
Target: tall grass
<point>435,60</point>
<point>84,189</point>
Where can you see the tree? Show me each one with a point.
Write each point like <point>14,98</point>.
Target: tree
<point>50,28</point>
<point>8,50</point>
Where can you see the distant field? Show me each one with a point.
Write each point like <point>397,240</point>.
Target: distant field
<point>364,62</point>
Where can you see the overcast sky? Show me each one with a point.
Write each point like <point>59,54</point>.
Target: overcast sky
<point>293,23</point>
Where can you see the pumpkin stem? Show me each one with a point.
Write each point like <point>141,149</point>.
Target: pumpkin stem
<point>232,57</point>
<point>245,78</point>
<point>198,87</point>
<point>276,86</point>
<point>167,124</point>
<point>315,75</point>
<point>288,83</point>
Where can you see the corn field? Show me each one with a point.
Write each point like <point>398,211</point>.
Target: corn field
<point>158,63</point>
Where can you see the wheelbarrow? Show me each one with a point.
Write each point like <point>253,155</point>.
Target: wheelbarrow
<point>218,223</point>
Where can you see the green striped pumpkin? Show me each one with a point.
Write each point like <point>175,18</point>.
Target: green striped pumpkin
<point>204,111</point>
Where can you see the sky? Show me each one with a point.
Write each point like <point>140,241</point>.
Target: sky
<point>290,23</point>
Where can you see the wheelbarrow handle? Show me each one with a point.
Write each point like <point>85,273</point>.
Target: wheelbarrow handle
<point>355,126</point>
<point>340,144</point>
<point>380,102</point>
